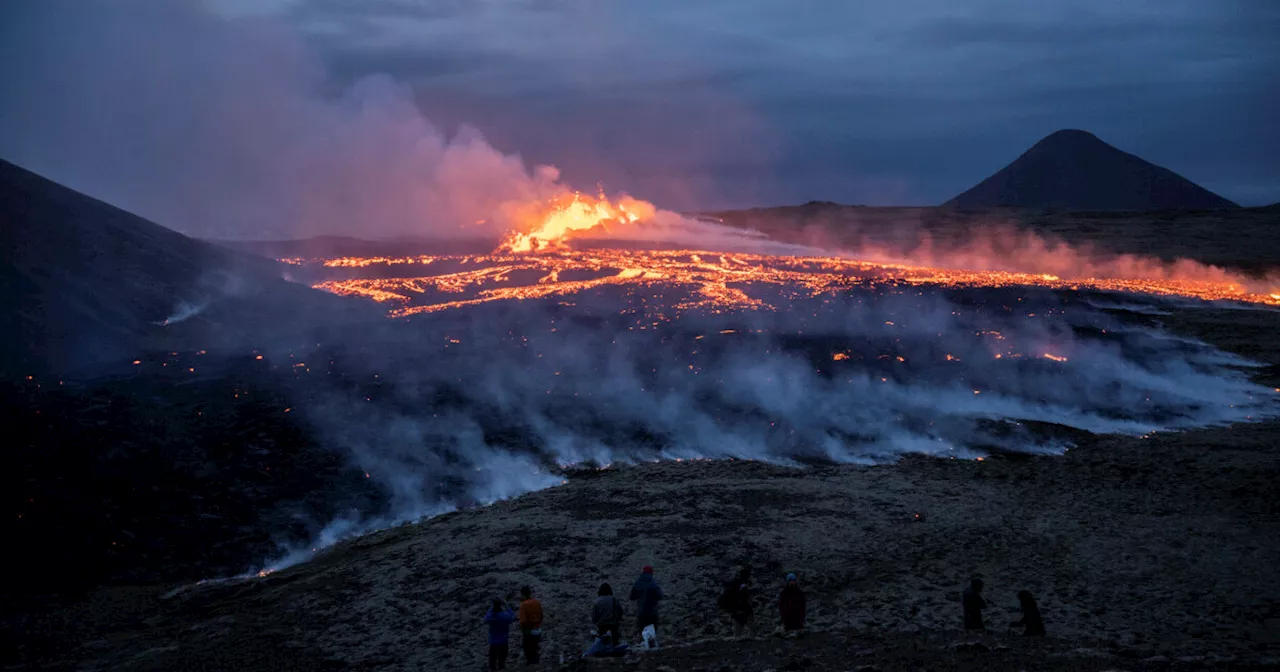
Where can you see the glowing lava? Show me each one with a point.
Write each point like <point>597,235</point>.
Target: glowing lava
<point>718,281</point>
<point>557,221</point>
<point>535,261</point>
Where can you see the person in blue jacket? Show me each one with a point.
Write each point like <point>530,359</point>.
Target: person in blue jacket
<point>646,593</point>
<point>499,618</point>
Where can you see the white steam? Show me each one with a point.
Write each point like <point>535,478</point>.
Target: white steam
<point>481,404</point>
<point>184,311</point>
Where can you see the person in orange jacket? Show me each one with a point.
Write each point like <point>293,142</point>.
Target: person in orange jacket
<point>530,626</point>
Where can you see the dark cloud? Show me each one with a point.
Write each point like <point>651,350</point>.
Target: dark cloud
<point>860,101</point>
<point>693,103</point>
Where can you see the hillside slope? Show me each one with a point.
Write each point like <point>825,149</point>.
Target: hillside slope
<point>83,283</point>
<point>1075,170</point>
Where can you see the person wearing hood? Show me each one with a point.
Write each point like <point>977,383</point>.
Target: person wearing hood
<point>791,605</point>
<point>499,619</point>
<point>973,604</point>
<point>606,613</point>
<point>646,593</point>
<point>1031,622</point>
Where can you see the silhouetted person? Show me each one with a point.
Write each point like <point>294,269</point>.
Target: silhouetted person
<point>1031,622</point>
<point>646,593</point>
<point>736,600</point>
<point>606,613</point>
<point>530,625</point>
<point>499,618</point>
<point>791,605</point>
<point>973,604</point>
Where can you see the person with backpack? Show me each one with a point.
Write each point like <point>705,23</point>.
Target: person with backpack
<point>530,625</point>
<point>646,593</point>
<point>606,613</point>
<point>973,604</point>
<point>736,599</point>
<point>791,605</point>
<point>499,618</point>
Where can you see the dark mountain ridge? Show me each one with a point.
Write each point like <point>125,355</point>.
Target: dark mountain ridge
<point>83,282</point>
<point>1075,170</point>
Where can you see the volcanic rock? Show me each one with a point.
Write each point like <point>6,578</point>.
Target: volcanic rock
<point>975,647</point>
<point>1075,170</point>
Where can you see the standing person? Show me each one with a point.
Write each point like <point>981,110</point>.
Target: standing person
<point>737,601</point>
<point>499,618</point>
<point>971,600</point>
<point>606,613</point>
<point>1032,623</point>
<point>791,605</point>
<point>530,625</point>
<point>646,593</point>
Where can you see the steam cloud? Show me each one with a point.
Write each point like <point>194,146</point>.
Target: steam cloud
<point>183,312</point>
<point>480,404</point>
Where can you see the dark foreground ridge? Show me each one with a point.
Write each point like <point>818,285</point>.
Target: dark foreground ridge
<point>83,283</point>
<point>1075,170</point>
<point>1163,565</point>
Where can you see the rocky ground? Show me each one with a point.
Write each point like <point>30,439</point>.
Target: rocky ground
<point>1144,553</point>
<point>1136,549</point>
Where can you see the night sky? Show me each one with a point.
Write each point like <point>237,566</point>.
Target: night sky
<point>700,104</point>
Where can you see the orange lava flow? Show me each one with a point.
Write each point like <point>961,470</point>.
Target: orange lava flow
<point>717,280</point>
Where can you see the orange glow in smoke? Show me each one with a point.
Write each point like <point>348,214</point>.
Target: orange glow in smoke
<point>547,227</point>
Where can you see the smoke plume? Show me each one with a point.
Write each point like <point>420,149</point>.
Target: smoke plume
<point>231,128</point>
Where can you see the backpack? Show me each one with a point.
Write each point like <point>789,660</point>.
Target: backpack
<point>729,598</point>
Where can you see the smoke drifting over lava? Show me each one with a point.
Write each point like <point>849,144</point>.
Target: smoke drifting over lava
<point>484,401</point>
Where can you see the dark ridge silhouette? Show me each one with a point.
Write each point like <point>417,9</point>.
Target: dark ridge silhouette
<point>1074,170</point>
<point>83,283</point>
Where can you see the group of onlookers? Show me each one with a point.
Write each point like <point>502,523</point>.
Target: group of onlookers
<point>500,618</point>
<point>736,599</point>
